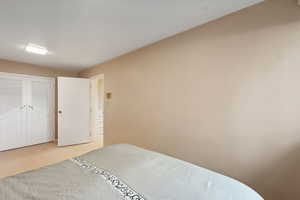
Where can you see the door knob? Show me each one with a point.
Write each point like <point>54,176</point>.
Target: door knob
<point>59,112</point>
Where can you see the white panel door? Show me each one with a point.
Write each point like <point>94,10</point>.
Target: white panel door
<point>40,107</point>
<point>12,115</point>
<point>73,111</point>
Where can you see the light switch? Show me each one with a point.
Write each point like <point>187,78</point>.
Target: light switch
<point>108,95</point>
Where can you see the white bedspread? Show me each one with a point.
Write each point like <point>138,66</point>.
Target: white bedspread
<point>124,172</point>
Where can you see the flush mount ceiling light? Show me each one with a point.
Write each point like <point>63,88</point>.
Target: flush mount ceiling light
<point>33,48</point>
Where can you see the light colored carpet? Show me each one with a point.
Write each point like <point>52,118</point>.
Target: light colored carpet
<point>25,159</point>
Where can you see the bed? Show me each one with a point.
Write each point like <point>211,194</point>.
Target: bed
<point>123,172</point>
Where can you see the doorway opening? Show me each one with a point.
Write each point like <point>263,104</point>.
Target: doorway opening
<point>97,107</point>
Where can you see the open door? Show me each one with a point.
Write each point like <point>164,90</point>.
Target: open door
<point>97,105</point>
<point>73,111</point>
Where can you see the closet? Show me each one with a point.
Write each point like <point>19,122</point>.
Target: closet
<point>26,110</point>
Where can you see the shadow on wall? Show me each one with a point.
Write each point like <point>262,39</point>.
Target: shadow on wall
<point>280,180</point>
<point>286,13</point>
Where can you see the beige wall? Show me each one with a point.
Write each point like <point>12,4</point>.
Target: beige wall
<point>224,96</point>
<point>22,68</point>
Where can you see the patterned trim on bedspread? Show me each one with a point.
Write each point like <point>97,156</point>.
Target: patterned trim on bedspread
<point>116,183</point>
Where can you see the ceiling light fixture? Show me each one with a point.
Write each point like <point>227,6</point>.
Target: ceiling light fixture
<point>32,48</point>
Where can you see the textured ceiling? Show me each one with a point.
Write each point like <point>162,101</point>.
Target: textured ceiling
<point>82,33</point>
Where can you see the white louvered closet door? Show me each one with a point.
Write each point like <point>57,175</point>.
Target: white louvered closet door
<point>12,115</point>
<point>39,111</point>
<point>26,110</point>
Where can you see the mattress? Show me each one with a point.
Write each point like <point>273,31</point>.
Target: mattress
<point>123,172</point>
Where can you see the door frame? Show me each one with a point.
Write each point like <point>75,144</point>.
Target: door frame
<point>94,94</point>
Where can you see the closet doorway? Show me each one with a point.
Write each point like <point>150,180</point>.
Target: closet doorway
<point>26,110</point>
<point>97,106</point>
